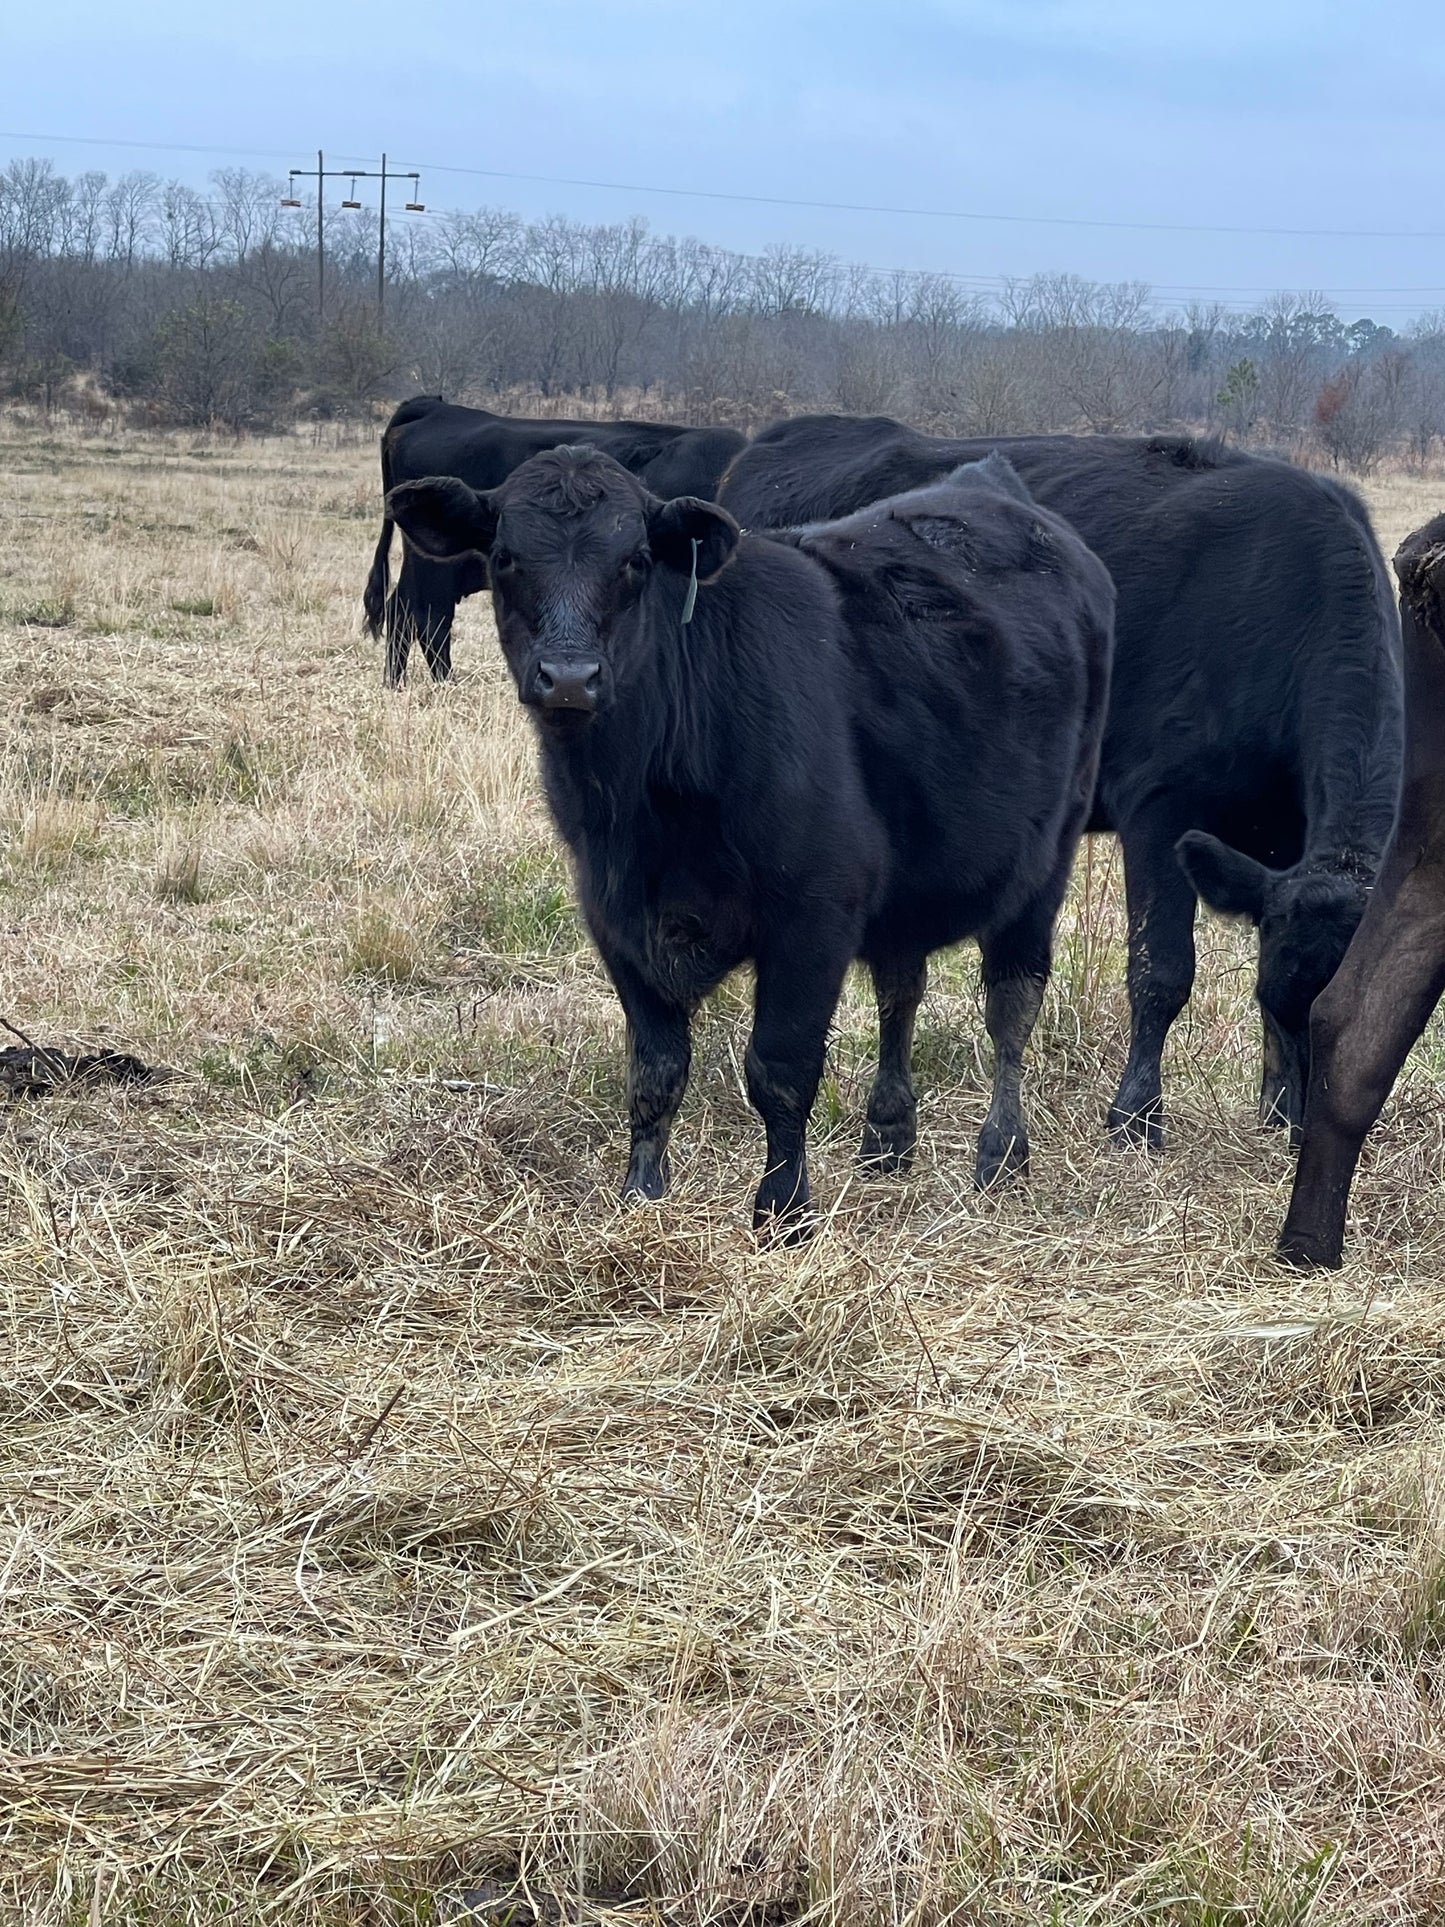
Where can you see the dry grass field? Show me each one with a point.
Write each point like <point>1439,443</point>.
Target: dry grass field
<point>391,1526</point>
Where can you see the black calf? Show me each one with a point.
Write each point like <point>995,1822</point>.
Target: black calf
<point>867,740</point>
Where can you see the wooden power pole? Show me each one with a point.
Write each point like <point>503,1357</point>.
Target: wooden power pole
<point>323,174</point>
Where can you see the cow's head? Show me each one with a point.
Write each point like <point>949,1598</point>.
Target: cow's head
<point>587,569</point>
<point>1305,917</point>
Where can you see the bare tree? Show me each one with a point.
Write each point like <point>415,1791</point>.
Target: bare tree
<point>191,235</point>
<point>250,215</point>
<point>1359,410</point>
<point>1292,340</point>
<point>551,269</point>
<point>205,304</point>
<point>33,198</point>
<point>130,215</point>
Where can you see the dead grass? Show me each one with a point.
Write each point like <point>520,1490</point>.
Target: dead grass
<point>385,1517</point>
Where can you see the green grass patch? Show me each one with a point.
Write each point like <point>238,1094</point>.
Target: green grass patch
<point>54,612</point>
<point>521,908</point>
<point>148,783</point>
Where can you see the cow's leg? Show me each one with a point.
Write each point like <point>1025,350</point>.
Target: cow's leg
<point>890,1128</point>
<point>1274,1085</point>
<point>1161,974</point>
<point>659,1054</point>
<point>421,610</point>
<point>437,606</point>
<point>1016,962</point>
<point>398,644</point>
<point>799,977</point>
<point>401,620</point>
<point>1361,1029</point>
<point>436,640</point>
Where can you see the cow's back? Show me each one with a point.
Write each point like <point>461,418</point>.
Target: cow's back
<point>1256,647</point>
<point>1256,643</point>
<point>979,630</point>
<point>694,464</point>
<point>430,437</point>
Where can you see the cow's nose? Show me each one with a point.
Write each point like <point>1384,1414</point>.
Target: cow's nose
<point>569,685</point>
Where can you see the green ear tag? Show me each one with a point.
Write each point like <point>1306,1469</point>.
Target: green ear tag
<point>691,603</point>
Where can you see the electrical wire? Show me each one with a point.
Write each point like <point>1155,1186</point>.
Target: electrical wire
<point>798,201</point>
<point>987,284</point>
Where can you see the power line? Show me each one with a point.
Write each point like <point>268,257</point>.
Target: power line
<point>979,283</point>
<point>161,147</point>
<point>947,213</point>
<point>784,200</point>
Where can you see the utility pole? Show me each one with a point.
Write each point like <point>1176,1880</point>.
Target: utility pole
<point>381,258</point>
<point>320,242</point>
<point>352,174</point>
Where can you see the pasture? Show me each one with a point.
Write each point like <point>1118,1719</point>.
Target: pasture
<point>389,1524</point>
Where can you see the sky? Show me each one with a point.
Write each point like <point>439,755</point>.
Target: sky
<point>1114,139</point>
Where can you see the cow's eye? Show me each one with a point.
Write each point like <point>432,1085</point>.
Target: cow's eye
<point>639,562</point>
<point>503,562</point>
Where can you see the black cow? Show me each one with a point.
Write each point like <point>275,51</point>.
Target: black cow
<point>428,436</point>
<point>1253,749</point>
<point>1362,1027</point>
<point>867,740</point>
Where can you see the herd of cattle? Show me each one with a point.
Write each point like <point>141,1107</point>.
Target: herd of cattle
<point>850,691</point>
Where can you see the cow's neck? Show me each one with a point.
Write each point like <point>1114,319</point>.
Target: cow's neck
<point>1349,834</point>
<point>602,780</point>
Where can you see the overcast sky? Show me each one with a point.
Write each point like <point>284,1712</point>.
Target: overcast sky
<point>1149,116</point>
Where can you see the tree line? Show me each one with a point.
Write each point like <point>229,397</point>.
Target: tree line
<point>201,308</point>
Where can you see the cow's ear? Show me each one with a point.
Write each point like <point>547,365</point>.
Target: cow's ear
<point>1420,566</point>
<point>673,527</point>
<point>442,517</point>
<point>1227,880</point>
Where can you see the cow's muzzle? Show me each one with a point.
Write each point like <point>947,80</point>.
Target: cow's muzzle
<point>573,682</point>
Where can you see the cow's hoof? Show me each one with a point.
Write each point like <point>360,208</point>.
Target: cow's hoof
<point>885,1152</point>
<point>781,1214</point>
<point>1301,1252</point>
<point>644,1187</point>
<point>794,1229</point>
<point>1002,1157</point>
<point>1136,1130</point>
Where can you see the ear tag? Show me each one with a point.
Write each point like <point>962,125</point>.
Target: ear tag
<point>691,603</point>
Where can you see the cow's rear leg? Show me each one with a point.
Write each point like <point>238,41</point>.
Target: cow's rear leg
<point>421,610</point>
<point>1362,1027</point>
<point>890,1128</point>
<point>398,643</point>
<point>436,645</point>
<point>1161,975</point>
<point>799,977</point>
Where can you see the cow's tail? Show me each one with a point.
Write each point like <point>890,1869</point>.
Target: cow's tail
<point>373,597</point>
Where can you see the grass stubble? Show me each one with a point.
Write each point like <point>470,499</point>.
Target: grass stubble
<point>386,1518</point>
